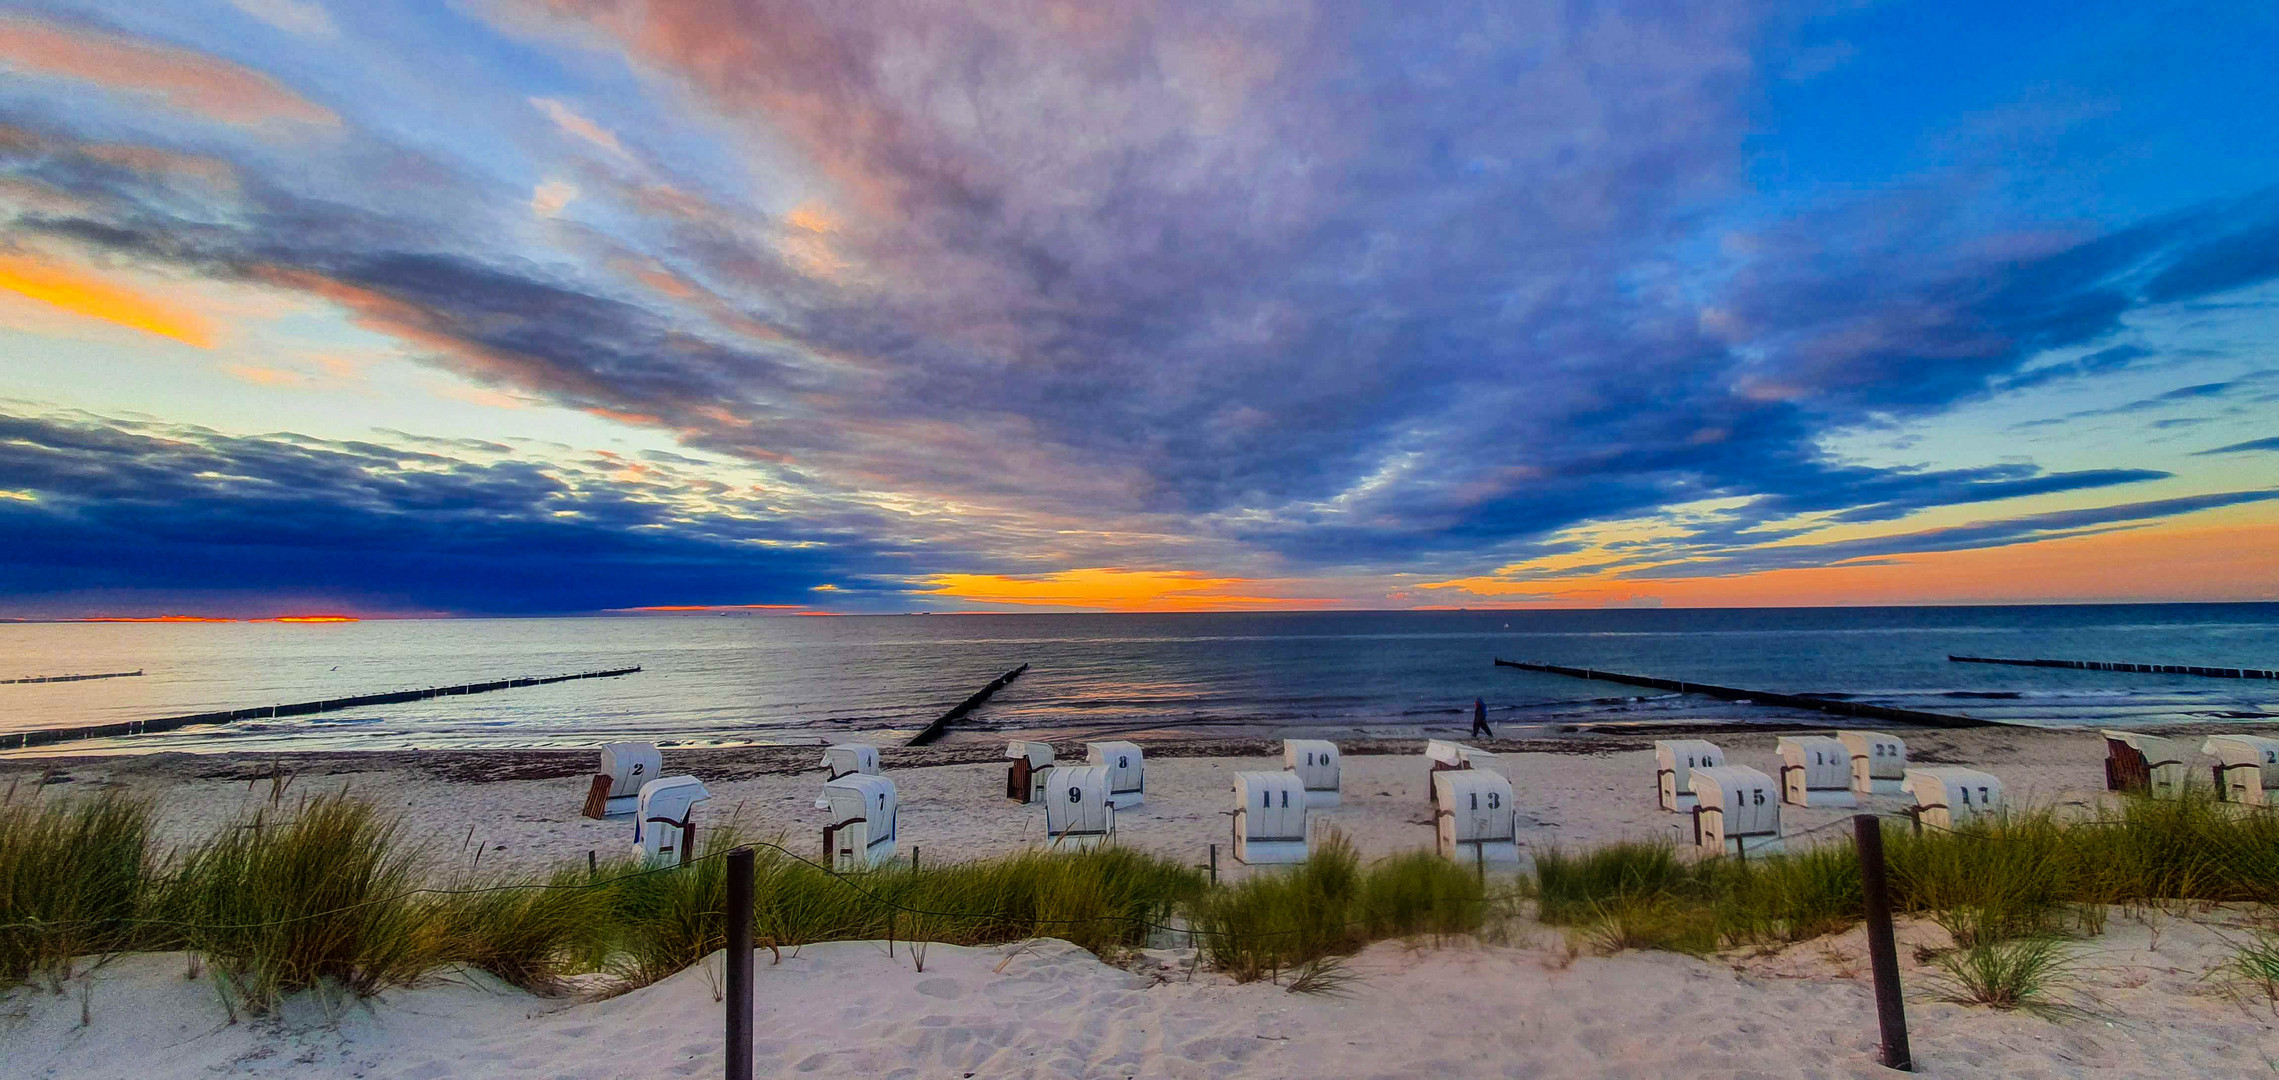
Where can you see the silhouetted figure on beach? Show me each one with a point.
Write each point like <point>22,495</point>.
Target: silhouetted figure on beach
<point>1480,718</point>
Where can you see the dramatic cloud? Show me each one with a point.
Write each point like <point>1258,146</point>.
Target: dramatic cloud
<point>1160,301</point>
<point>98,508</point>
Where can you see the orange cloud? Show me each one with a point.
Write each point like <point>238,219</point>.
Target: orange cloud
<point>77,291</point>
<point>183,79</point>
<point>2225,562</point>
<point>267,376</point>
<point>673,608</point>
<point>1112,589</point>
<point>215,619</point>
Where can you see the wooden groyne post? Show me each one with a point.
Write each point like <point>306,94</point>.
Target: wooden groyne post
<point>1764,697</point>
<point>2116,665</point>
<point>73,678</point>
<point>941,724</point>
<point>17,740</point>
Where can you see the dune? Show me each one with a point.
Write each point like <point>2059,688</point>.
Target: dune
<point>1047,1009</point>
<point>1530,1001</point>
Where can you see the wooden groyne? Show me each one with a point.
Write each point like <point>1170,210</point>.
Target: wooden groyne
<point>941,724</point>
<point>74,678</point>
<point>1765,697</point>
<point>17,740</point>
<point>2115,665</point>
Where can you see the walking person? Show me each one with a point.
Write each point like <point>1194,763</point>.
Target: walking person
<point>1480,719</point>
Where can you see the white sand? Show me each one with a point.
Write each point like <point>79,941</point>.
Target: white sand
<point>1531,1008</point>
<point>847,1009</point>
<point>959,811</point>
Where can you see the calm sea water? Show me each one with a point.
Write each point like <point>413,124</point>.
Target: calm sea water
<point>713,681</point>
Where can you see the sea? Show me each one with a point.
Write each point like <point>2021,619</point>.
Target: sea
<point>737,680</point>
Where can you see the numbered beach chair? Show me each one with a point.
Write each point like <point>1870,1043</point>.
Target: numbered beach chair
<point>865,812</point>
<point>1477,820</point>
<point>664,823</point>
<point>616,788</point>
<point>1736,811</point>
<point>1815,770</point>
<point>1449,756</point>
<point>1078,811</point>
<point>845,759</point>
<point>2147,764</point>
<point>1674,762</point>
<point>2247,768</point>
<point>1025,777</point>
<point>1879,761</point>
<point>1269,817</point>
<point>1315,762</point>
<point>1127,771</point>
<point>1950,796</point>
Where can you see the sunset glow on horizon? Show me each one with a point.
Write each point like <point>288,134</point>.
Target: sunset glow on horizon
<point>607,308</point>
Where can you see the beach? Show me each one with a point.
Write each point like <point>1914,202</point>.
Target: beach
<point>1522,999</point>
<point>521,808</point>
<point>1532,1008</point>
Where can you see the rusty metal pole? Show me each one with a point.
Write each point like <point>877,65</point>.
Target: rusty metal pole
<point>739,963</point>
<point>1883,953</point>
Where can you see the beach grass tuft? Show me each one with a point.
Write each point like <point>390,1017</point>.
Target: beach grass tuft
<point>532,930</point>
<point>2256,965</point>
<point>2025,974</point>
<point>1331,905</point>
<point>73,876</point>
<point>291,899</point>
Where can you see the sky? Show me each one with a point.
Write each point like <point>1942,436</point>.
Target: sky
<point>518,307</point>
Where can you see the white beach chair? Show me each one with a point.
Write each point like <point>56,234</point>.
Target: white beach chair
<point>1269,817</point>
<point>1477,820</point>
<point>1078,810</point>
<point>1949,797</point>
<point>1025,777</point>
<point>1816,770</point>
<point>1450,756</point>
<point>2247,768</point>
<point>1315,762</point>
<point>616,787</point>
<point>1674,762</point>
<point>1736,810</point>
<point>2135,761</point>
<point>1127,771</point>
<point>865,816</point>
<point>846,759</point>
<point>664,825</point>
<point>1879,761</point>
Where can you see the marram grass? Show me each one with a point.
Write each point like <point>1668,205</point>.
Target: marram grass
<point>325,894</point>
<point>73,876</point>
<point>2025,875</point>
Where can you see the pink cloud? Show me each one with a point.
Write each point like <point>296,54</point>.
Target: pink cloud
<point>183,79</point>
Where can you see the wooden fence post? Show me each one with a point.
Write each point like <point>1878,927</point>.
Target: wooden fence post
<point>1883,954</point>
<point>740,875</point>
